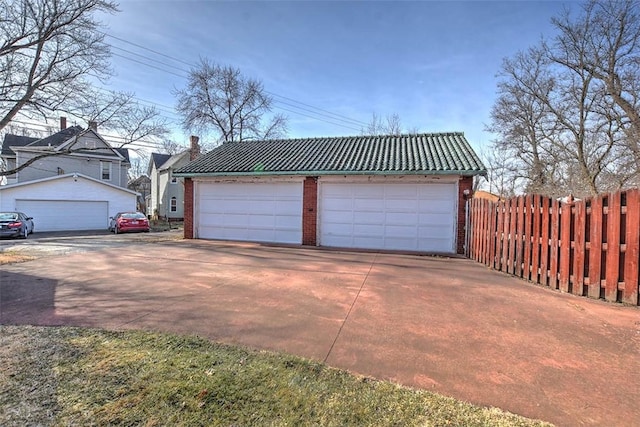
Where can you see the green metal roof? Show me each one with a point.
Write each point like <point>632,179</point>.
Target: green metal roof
<point>421,154</point>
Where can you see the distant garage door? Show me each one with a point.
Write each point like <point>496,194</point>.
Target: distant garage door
<point>417,217</point>
<point>261,212</point>
<point>57,215</point>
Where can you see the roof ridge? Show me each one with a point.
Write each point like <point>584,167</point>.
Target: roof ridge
<point>317,138</point>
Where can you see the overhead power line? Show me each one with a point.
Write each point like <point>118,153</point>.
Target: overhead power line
<point>296,104</point>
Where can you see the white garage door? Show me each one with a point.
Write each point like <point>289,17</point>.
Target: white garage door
<point>260,212</point>
<point>418,217</point>
<point>56,215</point>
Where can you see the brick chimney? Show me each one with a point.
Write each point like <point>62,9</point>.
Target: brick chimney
<point>93,126</point>
<point>63,123</point>
<point>194,151</point>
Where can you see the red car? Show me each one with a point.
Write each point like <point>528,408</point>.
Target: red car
<point>129,221</point>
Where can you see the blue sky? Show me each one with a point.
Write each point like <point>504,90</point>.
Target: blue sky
<point>433,63</point>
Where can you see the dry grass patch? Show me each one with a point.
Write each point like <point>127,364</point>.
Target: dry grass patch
<point>70,376</point>
<point>12,257</point>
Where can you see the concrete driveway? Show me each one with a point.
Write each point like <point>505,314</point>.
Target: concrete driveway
<point>447,325</point>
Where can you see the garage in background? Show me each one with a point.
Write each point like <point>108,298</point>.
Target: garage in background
<point>67,202</point>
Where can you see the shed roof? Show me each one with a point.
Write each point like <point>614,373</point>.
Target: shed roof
<point>429,153</point>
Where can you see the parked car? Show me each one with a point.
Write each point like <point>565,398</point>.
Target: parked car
<point>15,224</point>
<point>128,221</point>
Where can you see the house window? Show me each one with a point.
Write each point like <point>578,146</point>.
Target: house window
<point>174,204</point>
<point>174,180</point>
<point>105,170</point>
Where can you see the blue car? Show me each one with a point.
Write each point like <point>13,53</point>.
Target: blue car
<point>15,224</point>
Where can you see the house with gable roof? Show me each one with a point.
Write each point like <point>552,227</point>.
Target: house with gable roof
<point>166,199</point>
<point>74,179</point>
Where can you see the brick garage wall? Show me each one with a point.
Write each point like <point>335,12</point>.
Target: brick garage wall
<point>309,210</point>
<point>188,208</point>
<point>466,183</point>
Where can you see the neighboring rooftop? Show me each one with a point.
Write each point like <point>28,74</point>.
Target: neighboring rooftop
<point>57,138</point>
<point>429,153</point>
<point>52,140</point>
<point>159,159</point>
<point>11,140</point>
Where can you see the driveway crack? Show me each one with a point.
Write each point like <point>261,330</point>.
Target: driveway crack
<point>353,303</point>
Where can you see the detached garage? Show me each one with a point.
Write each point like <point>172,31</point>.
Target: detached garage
<point>67,202</point>
<point>402,192</point>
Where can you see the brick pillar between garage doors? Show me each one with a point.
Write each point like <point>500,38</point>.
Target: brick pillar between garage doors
<point>466,183</point>
<point>309,210</point>
<point>188,208</point>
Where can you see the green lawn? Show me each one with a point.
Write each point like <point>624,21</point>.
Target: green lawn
<point>73,376</point>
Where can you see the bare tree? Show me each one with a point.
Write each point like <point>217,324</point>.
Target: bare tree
<point>556,112</point>
<point>220,99</point>
<point>171,147</point>
<point>604,41</point>
<point>389,125</point>
<point>138,165</point>
<point>47,49</point>
<point>121,113</point>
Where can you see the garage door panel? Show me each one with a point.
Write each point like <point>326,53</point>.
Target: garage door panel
<point>288,207</point>
<point>436,218</point>
<point>388,216</point>
<point>403,231</point>
<point>401,218</point>
<point>365,242</point>
<point>287,222</point>
<point>434,231</point>
<point>371,205</point>
<point>368,229</point>
<point>58,215</point>
<point>435,206</point>
<point>269,212</point>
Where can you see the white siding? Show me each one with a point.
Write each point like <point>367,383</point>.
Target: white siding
<point>68,189</point>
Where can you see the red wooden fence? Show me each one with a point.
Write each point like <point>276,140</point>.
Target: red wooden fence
<point>588,247</point>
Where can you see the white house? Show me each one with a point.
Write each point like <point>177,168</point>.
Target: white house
<point>73,179</point>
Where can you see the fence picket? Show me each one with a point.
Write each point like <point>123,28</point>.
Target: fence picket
<point>505,237</point>
<point>595,248</point>
<point>553,244</point>
<point>544,253</point>
<point>565,245</point>
<point>535,238</point>
<point>527,237</point>
<point>513,236</point>
<point>613,247</point>
<point>632,243</point>
<point>519,233</point>
<point>579,249</point>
